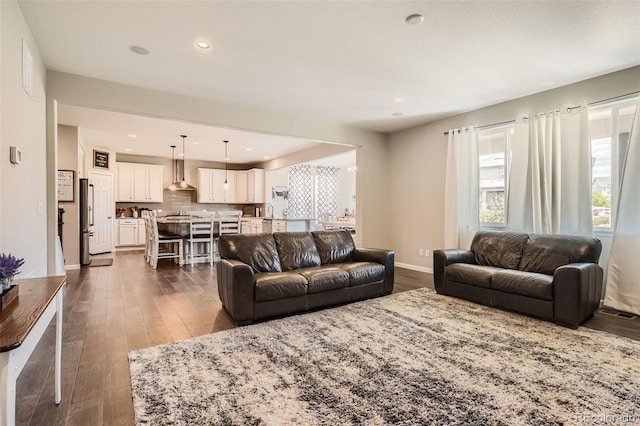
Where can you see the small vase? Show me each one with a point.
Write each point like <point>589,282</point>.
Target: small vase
<point>6,283</point>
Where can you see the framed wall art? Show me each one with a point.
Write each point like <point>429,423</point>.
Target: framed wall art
<point>100,159</point>
<point>66,179</point>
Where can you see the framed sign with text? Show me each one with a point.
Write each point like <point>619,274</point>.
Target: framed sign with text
<point>100,159</point>
<point>65,185</point>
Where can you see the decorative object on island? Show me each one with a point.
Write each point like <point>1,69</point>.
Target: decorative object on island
<point>9,267</point>
<point>134,211</point>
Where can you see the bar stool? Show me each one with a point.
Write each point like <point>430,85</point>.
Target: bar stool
<point>201,235</point>
<point>165,242</point>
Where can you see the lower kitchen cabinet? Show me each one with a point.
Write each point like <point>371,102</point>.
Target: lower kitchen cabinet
<point>130,232</point>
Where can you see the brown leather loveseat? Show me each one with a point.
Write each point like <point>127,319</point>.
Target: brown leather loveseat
<point>266,275</point>
<point>553,277</point>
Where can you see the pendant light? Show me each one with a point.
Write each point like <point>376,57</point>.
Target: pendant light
<point>226,170</point>
<point>173,187</point>
<point>183,183</point>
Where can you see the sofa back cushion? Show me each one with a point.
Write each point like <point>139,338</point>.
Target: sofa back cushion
<point>545,253</point>
<point>296,250</point>
<point>334,246</point>
<point>256,250</point>
<point>498,248</point>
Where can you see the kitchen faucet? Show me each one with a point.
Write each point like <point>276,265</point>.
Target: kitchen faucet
<point>270,210</point>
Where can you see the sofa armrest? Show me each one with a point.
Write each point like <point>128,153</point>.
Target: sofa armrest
<point>442,258</point>
<point>577,288</point>
<point>384,257</point>
<point>236,282</point>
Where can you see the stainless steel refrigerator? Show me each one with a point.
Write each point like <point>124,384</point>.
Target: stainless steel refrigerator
<point>86,220</point>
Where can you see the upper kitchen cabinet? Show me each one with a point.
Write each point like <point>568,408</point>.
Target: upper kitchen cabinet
<point>211,186</point>
<point>243,186</point>
<point>250,186</point>
<point>141,183</point>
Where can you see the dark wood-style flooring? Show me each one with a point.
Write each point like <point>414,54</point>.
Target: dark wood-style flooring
<point>111,310</point>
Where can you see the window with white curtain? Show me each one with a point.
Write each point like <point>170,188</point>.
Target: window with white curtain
<point>493,160</point>
<point>609,128</point>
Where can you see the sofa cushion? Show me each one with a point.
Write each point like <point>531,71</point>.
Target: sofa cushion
<point>363,272</point>
<point>497,248</point>
<point>334,246</point>
<point>256,250</point>
<point>279,285</point>
<point>323,278</point>
<point>475,275</point>
<point>296,250</point>
<point>528,284</point>
<point>546,253</point>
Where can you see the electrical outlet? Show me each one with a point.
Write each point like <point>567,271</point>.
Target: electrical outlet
<point>427,252</point>
<point>420,252</point>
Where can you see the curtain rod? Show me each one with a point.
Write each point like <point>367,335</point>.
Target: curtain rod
<point>569,109</point>
<point>621,97</point>
<point>485,125</point>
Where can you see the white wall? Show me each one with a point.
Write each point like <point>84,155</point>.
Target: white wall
<point>372,153</point>
<point>23,188</point>
<point>417,158</point>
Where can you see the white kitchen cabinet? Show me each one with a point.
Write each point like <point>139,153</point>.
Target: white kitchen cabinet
<point>140,183</point>
<point>255,225</point>
<point>279,226</point>
<point>211,188</point>
<point>130,232</point>
<point>242,193</point>
<point>250,186</point>
<point>127,232</point>
<point>142,233</point>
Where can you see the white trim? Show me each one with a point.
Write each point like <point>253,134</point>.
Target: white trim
<point>414,267</point>
<point>71,267</point>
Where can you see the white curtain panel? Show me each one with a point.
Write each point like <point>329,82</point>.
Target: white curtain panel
<point>550,178</point>
<point>461,189</point>
<point>623,277</point>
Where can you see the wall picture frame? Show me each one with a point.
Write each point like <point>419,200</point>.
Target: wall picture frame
<point>100,159</point>
<point>66,186</point>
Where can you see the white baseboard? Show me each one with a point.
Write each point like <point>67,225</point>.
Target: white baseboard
<point>414,267</point>
<point>71,267</point>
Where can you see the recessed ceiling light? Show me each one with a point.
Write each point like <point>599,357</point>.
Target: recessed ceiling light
<point>397,114</point>
<point>202,44</point>
<point>414,19</point>
<point>266,157</point>
<point>128,150</point>
<point>181,154</point>
<point>139,50</point>
<point>196,143</point>
<point>397,100</point>
<point>248,149</point>
<point>132,136</point>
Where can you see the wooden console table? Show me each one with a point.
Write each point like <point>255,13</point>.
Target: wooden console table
<point>22,324</point>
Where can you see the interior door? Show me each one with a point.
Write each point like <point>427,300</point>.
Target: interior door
<point>101,218</point>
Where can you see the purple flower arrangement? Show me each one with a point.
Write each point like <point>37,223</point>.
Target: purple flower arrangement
<point>9,266</point>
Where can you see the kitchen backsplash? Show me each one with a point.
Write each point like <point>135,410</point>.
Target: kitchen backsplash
<point>175,201</point>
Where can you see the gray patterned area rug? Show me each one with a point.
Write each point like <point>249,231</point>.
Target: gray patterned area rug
<point>408,358</point>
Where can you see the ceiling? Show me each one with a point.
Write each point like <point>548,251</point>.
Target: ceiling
<point>341,61</point>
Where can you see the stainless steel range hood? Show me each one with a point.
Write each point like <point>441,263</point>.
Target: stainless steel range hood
<point>178,182</point>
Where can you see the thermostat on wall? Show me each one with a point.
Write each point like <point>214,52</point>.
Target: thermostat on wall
<point>15,155</point>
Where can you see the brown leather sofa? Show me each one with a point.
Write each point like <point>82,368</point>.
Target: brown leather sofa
<point>553,277</point>
<point>266,275</point>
